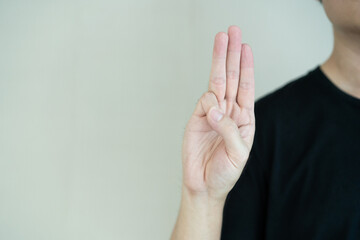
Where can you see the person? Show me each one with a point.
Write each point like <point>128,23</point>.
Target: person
<point>298,175</point>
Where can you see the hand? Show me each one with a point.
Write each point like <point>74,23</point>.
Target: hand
<point>219,135</point>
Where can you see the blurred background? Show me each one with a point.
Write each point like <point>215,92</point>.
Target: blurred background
<point>95,96</point>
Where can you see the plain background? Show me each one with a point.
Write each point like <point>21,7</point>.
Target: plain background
<point>95,96</point>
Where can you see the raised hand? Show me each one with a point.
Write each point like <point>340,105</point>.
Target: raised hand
<point>219,135</point>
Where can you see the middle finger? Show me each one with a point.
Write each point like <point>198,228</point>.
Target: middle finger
<point>233,63</point>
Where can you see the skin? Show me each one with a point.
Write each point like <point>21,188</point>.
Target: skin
<point>343,66</point>
<point>215,152</point>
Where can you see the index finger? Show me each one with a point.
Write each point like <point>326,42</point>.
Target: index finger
<point>217,82</point>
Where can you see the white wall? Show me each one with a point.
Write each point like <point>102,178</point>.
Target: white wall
<point>95,95</point>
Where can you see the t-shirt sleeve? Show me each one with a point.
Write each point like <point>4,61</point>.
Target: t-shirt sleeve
<point>244,215</point>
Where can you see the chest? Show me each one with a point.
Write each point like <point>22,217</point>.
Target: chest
<point>315,182</point>
<point>318,159</point>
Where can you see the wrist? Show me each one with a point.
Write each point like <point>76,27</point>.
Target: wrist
<point>202,199</point>
<point>200,216</point>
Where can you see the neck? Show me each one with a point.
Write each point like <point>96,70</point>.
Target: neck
<point>343,66</point>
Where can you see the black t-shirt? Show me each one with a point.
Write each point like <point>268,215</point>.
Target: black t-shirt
<point>302,179</point>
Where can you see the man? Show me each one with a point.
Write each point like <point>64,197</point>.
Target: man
<point>302,174</point>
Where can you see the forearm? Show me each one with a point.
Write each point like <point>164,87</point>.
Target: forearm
<point>200,217</point>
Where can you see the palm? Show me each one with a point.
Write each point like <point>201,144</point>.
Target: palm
<point>209,164</point>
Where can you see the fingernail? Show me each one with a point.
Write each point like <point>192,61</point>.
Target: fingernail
<point>216,115</point>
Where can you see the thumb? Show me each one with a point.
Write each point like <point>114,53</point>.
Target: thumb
<point>236,148</point>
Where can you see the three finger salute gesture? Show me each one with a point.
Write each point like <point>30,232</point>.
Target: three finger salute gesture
<point>219,135</point>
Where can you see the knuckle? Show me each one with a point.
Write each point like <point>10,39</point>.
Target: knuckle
<point>232,74</point>
<point>246,85</point>
<point>218,81</point>
<point>208,95</point>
